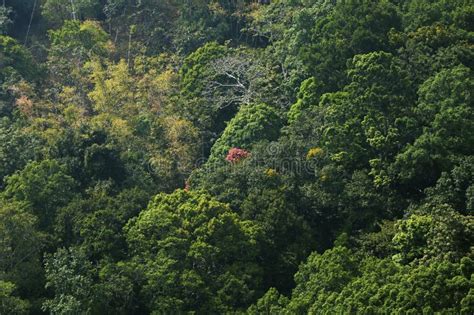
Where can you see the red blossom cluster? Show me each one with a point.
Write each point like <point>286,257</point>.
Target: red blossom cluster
<point>236,154</point>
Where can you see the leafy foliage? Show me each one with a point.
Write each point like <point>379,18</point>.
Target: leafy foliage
<point>304,156</point>
<point>251,124</point>
<point>192,242</point>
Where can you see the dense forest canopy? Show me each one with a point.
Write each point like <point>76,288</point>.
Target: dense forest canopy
<point>236,156</point>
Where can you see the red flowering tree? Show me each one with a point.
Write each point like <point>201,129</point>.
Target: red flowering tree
<point>236,154</point>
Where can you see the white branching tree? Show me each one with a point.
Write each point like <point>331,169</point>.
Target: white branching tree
<point>235,81</point>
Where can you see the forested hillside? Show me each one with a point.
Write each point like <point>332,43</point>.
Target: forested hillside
<point>236,157</point>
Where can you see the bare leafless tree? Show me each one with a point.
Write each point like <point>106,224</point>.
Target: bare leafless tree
<point>234,81</point>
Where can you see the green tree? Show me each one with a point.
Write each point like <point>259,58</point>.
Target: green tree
<point>10,304</point>
<point>322,275</point>
<point>308,96</point>
<point>286,236</point>
<point>455,187</point>
<point>205,21</point>
<point>430,49</point>
<point>197,254</point>
<point>194,74</point>
<point>419,13</point>
<point>445,114</point>
<point>251,124</point>
<point>100,230</point>
<point>141,27</point>
<point>69,273</point>
<point>72,45</point>
<point>58,11</point>
<point>384,286</point>
<point>434,232</point>
<point>16,149</point>
<point>271,303</point>
<point>346,283</point>
<point>81,40</point>
<point>21,245</point>
<point>44,186</point>
<point>350,28</point>
<point>5,20</point>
